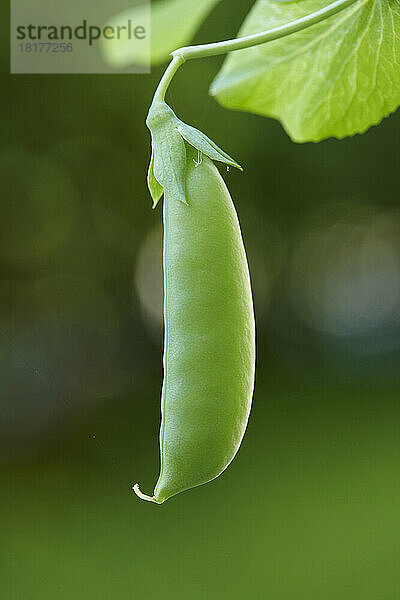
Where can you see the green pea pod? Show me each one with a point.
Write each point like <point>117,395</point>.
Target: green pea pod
<point>209,350</point>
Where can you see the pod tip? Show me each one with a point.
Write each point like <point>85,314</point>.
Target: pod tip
<point>142,496</point>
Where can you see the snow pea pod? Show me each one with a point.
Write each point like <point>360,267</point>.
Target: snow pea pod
<point>209,346</point>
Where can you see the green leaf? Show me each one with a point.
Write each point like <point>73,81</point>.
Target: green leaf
<point>336,78</point>
<point>156,190</point>
<point>200,141</point>
<point>173,24</point>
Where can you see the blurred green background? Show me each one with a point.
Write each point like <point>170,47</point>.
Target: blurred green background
<point>310,506</point>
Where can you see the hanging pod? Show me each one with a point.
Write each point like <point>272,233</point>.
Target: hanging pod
<point>209,346</point>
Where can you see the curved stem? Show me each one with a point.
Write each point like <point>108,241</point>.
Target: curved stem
<point>168,76</point>
<point>216,49</point>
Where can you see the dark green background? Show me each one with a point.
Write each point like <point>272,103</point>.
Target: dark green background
<point>310,506</point>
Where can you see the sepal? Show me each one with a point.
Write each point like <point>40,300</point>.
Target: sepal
<point>201,142</point>
<point>169,135</point>
<point>156,189</point>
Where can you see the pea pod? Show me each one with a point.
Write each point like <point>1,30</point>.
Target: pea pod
<point>209,350</point>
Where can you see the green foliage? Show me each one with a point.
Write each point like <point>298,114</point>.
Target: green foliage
<point>173,24</point>
<point>335,79</point>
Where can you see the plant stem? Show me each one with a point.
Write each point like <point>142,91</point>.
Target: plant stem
<point>216,49</point>
<point>168,76</point>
